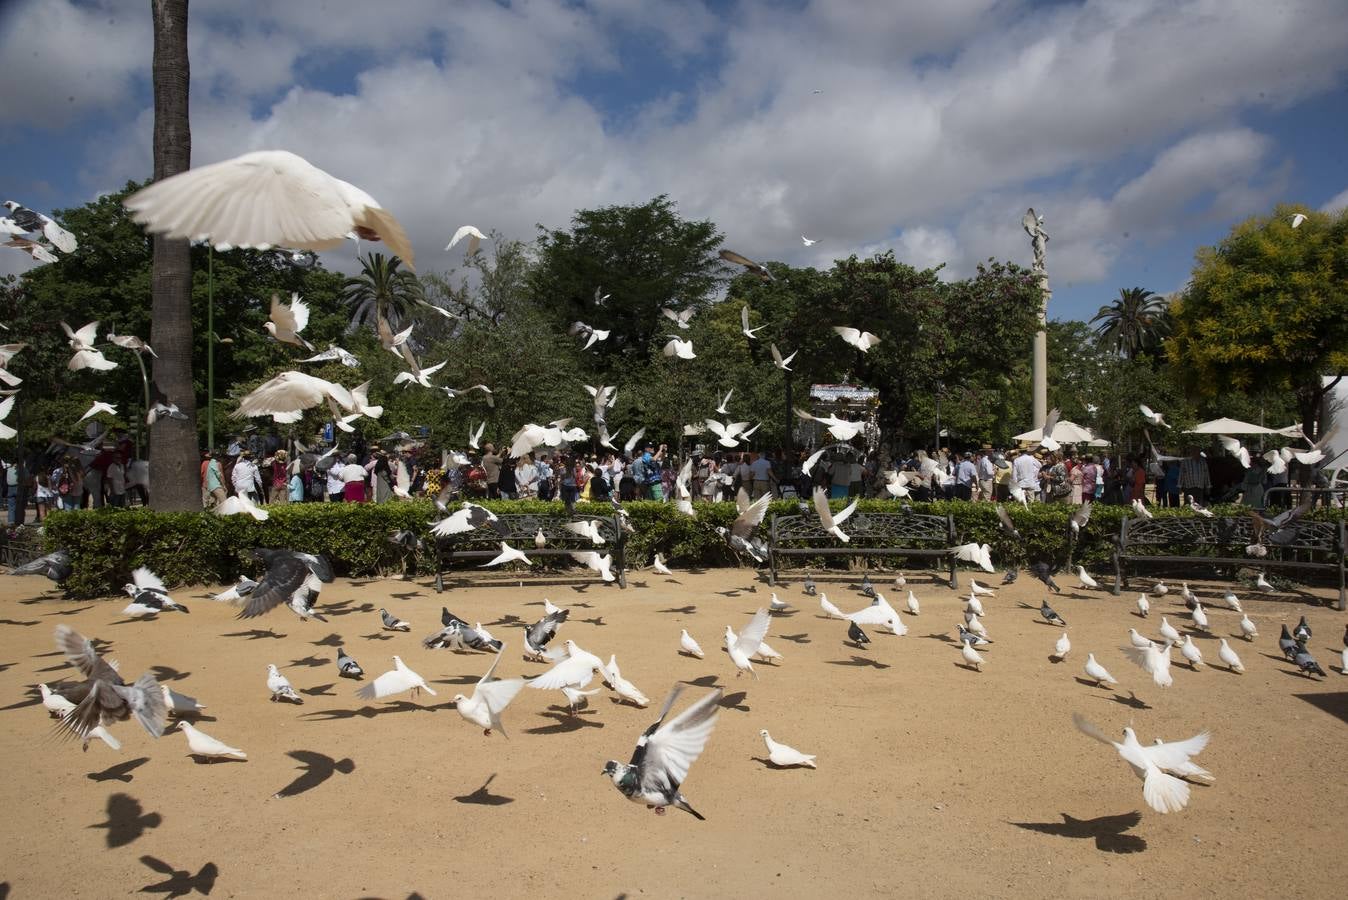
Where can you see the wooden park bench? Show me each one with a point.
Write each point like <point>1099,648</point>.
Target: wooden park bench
<point>482,544</point>
<point>1219,543</point>
<point>872,535</point>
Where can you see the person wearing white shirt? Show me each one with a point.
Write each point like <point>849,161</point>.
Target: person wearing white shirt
<point>760,472</point>
<point>246,477</point>
<point>1026,471</point>
<point>335,485</point>
<point>526,477</point>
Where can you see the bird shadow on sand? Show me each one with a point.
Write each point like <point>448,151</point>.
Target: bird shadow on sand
<point>407,595</point>
<point>506,620</point>
<point>688,610</point>
<point>69,612</point>
<point>733,592</point>
<point>1336,704</point>
<point>859,662</point>
<point>332,640</point>
<point>597,621</point>
<point>56,668</point>
<point>132,620</point>
<point>255,634</point>
<point>769,764</point>
<point>127,820</point>
<point>705,681</point>
<point>1132,701</point>
<point>343,610</point>
<point>201,760</point>
<point>307,662</point>
<point>735,701</point>
<point>168,673</point>
<point>370,712</point>
<point>4,666</point>
<point>566,722</point>
<point>484,797</point>
<point>180,882</point>
<point>802,638</point>
<point>967,666</point>
<point>458,679</point>
<point>1108,832</point>
<point>119,772</point>
<point>19,623</point>
<point>319,690</point>
<point>315,768</point>
<point>378,636</point>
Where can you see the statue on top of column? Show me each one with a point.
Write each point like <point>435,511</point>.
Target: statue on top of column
<point>1034,227</point>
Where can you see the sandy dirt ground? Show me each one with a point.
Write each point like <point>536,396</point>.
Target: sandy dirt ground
<point>933,779</point>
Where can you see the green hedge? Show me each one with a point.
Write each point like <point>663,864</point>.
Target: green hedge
<point>202,548</point>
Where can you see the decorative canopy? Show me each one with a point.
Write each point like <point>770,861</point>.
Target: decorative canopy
<point>1064,433</point>
<point>1229,426</point>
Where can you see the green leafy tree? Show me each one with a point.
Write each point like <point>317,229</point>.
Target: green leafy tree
<point>644,257</point>
<point>1267,309</point>
<point>1135,321</point>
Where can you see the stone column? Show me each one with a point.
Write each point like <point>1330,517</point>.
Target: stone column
<point>1034,227</point>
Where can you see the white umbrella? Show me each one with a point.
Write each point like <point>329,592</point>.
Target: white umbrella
<point>1229,426</point>
<point>1064,433</point>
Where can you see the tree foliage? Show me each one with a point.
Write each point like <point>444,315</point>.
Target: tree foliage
<point>1136,320</point>
<point>1267,308</point>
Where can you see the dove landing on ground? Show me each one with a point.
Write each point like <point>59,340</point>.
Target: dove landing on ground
<point>490,698</point>
<point>1153,660</point>
<point>745,644</point>
<point>1163,793</point>
<point>664,753</point>
<point>784,756</point>
<point>398,679</point>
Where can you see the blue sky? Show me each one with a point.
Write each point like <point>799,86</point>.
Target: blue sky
<point>1141,130</point>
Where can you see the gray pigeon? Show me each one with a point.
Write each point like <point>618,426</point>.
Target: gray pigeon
<point>292,578</point>
<point>348,667</point>
<point>104,697</point>
<point>968,637</point>
<point>1287,644</point>
<point>1305,662</point>
<point>55,565</point>
<point>664,754</point>
<point>809,587</point>
<point>1049,615</point>
<point>1303,630</point>
<point>537,635</point>
<point>393,623</point>
<point>856,635</point>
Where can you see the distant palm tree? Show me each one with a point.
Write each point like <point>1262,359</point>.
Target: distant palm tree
<point>383,290</point>
<point>1137,320</point>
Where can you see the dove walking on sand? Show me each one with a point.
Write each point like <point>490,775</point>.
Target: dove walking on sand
<point>1229,657</point>
<point>621,686</point>
<point>688,645</point>
<point>1086,580</point>
<point>971,656</point>
<point>1169,632</point>
<point>280,686</point>
<point>1189,650</point>
<point>199,743</point>
<point>782,755</point>
<point>1062,647</point>
<point>1143,606</point>
<point>392,622</point>
<point>1247,629</point>
<point>913,606</point>
<point>1096,672</point>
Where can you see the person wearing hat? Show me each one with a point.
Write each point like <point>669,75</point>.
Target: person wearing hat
<point>246,477</point>
<point>212,479</point>
<point>986,472</point>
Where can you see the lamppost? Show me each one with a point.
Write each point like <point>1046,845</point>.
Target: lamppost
<point>210,346</point>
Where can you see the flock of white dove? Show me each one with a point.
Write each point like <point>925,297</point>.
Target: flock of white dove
<point>666,750</point>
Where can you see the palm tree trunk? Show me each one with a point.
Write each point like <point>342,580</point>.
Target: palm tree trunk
<point>174,451</point>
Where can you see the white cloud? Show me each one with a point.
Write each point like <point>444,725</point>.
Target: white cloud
<point>935,127</point>
<point>1336,203</point>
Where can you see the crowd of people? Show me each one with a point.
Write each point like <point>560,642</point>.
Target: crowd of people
<point>66,476</point>
<point>270,475</point>
<point>258,466</point>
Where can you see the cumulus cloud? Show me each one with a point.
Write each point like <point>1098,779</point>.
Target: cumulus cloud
<point>928,129</point>
<point>1336,203</point>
